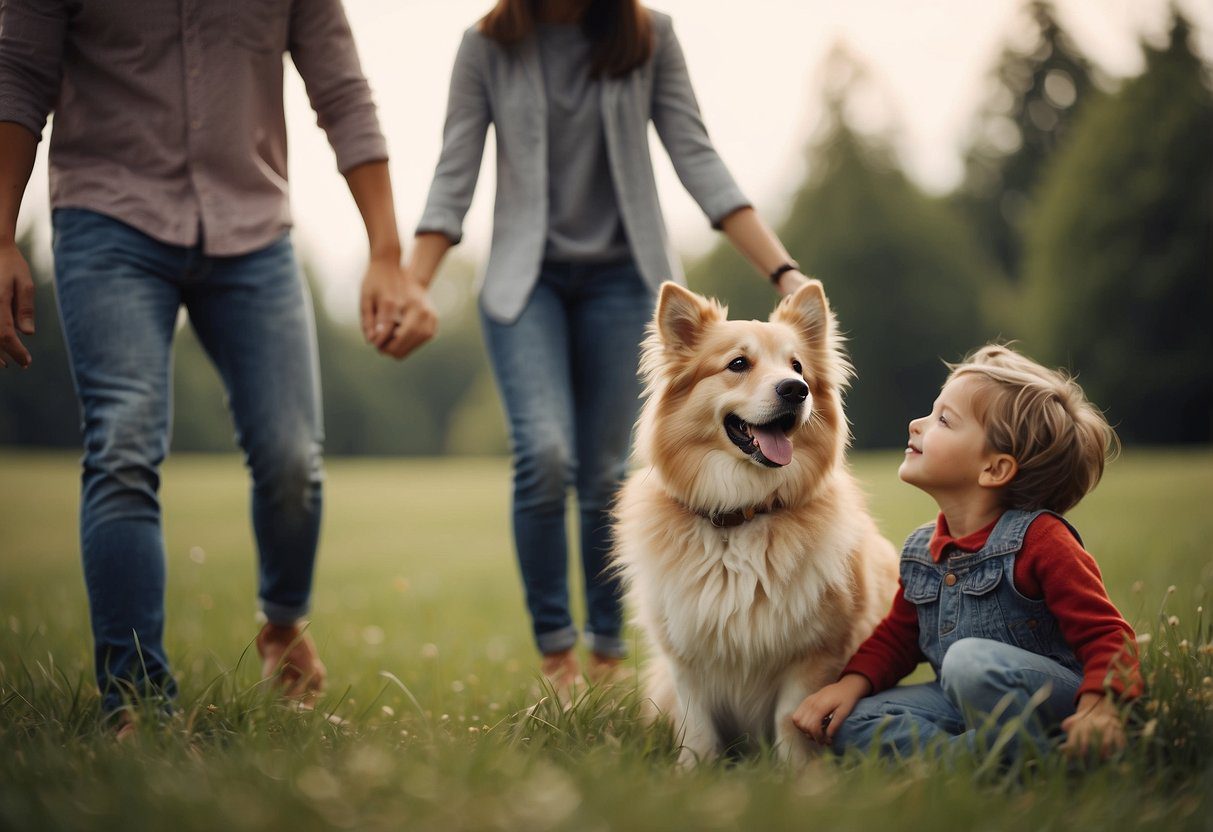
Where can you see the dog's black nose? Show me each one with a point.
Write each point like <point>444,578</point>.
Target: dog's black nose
<point>792,390</point>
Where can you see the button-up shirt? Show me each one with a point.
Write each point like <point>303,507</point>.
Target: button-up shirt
<point>168,113</point>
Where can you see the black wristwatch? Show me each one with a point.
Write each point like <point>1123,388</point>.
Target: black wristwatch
<point>789,266</point>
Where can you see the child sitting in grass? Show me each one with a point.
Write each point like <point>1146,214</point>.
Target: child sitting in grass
<point>998,594</point>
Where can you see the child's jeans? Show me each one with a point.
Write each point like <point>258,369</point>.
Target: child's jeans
<point>983,686</point>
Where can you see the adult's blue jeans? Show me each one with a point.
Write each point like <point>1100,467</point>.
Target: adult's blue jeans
<point>119,295</point>
<point>566,370</point>
<point>983,686</point>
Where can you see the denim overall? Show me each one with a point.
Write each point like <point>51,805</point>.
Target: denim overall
<point>993,651</point>
<point>973,595</point>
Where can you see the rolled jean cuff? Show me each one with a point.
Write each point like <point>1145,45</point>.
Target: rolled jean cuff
<point>611,647</point>
<point>556,641</point>
<point>281,615</point>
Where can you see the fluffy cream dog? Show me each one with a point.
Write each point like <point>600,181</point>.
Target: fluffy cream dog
<point>751,562</point>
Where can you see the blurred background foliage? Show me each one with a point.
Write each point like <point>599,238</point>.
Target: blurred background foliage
<point>1083,228</point>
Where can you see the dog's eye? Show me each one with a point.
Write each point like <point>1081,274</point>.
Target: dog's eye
<point>796,368</point>
<point>739,364</point>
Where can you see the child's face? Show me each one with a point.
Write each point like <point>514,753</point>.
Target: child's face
<point>948,449</point>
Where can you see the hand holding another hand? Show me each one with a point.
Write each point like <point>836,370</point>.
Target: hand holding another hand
<point>397,315</point>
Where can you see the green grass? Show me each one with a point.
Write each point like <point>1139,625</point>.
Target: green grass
<point>419,616</point>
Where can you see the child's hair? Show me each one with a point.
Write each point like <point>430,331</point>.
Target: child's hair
<point>1042,418</point>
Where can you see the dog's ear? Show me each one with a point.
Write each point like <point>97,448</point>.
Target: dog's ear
<point>682,315</point>
<point>806,309</point>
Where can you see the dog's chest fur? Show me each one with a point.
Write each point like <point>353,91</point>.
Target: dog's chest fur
<point>748,598</point>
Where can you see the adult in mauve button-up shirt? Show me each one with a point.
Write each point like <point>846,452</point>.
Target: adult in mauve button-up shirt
<point>168,180</point>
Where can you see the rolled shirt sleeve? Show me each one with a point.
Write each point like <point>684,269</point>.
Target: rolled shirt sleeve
<point>680,126</point>
<point>463,135</point>
<point>322,48</point>
<point>32,33</point>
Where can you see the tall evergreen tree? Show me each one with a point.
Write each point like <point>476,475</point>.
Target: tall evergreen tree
<point>1035,92</point>
<point>1120,250</point>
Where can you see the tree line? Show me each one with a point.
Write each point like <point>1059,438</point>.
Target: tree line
<point>1083,229</point>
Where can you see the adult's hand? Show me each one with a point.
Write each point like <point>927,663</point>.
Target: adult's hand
<point>789,282</point>
<point>397,315</point>
<point>16,305</point>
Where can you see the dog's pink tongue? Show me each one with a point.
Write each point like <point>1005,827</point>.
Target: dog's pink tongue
<point>774,444</point>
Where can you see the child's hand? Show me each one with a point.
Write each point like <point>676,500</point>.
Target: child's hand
<point>820,714</point>
<point>1095,722</point>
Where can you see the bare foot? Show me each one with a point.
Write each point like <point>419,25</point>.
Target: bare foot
<point>561,671</point>
<point>289,654</point>
<point>605,670</point>
<point>126,727</point>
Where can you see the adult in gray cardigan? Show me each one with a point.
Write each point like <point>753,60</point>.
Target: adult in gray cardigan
<point>579,249</point>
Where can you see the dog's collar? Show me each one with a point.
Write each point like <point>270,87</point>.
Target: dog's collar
<point>728,519</point>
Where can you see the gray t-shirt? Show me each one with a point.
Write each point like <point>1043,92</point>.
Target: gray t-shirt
<point>584,224</point>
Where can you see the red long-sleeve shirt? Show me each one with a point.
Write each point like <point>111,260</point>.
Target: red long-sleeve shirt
<point>1053,566</point>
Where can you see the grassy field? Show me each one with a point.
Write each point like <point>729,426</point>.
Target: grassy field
<point>419,616</point>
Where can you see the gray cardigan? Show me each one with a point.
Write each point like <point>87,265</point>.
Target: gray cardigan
<point>494,84</point>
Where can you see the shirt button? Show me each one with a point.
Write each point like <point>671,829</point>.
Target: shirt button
<point>949,579</point>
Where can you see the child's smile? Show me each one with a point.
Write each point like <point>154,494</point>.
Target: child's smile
<point>947,449</point>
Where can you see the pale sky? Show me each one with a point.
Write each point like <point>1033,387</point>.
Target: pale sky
<point>755,66</point>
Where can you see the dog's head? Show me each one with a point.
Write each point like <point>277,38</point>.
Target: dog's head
<point>738,412</point>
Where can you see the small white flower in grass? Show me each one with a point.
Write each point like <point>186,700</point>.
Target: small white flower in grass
<point>197,554</point>
<point>1148,729</point>
<point>387,710</point>
<point>1184,646</point>
<point>1207,681</point>
<point>1143,639</point>
<point>444,718</point>
<point>429,651</point>
<point>457,686</point>
<point>472,729</point>
<point>1171,589</point>
<point>1173,620</point>
<point>372,635</point>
